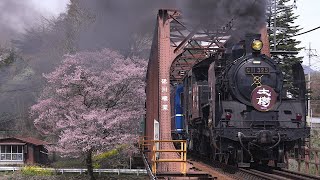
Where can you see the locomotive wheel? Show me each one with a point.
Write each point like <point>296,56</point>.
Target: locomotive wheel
<point>241,159</point>
<point>280,156</point>
<point>232,158</point>
<point>220,157</point>
<point>213,155</point>
<point>265,162</point>
<point>226,158</point>
<point>239,156</point>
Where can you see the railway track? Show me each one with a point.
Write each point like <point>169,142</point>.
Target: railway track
<point>300,174</point>
<point>208,169</point>
<point>281,174</point>
<point>223,171</point>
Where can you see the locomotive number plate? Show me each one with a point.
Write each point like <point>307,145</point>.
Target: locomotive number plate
<point>257,70</point>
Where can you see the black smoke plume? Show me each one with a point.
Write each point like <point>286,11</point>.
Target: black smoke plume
<point>115,21</point>
<point>97,24</point>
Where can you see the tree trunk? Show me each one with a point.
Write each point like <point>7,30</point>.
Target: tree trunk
<point>89,165</point>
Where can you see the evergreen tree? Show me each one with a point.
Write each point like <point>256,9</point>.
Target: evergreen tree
<point>285,40</point>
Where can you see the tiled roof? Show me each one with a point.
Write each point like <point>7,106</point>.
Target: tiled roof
<point>29,140</point>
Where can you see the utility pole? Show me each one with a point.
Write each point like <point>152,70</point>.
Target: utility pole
<point>275,26</point>
<point>309,119</point>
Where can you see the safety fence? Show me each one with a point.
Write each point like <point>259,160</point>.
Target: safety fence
<point>152,146</point>
<point>80,171</point>
<point>148,168</point>
<point>308,164</point>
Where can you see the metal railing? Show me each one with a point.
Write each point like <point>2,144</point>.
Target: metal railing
<point>144,142</point>
<point>71,170</point>
<point>145,146</point>
<point>182,151</point>
<point>149,172</point>
<point>309,163</point>
<point>154,151</point>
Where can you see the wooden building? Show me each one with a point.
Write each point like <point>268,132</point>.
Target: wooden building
<point>22,150</point>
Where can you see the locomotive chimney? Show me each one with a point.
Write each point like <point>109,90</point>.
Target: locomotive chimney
<point>249,39</point>
<point>265,40</point>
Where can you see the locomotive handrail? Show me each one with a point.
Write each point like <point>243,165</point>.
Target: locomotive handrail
<point>229,123</point>
<point>277,123</point>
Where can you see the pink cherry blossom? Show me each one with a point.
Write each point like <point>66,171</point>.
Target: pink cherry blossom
<point>92,102</point>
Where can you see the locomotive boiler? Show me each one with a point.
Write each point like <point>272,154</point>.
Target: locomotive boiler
<point>242,107</point>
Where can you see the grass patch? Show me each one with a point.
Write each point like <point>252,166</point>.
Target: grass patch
<point>35,171</point>
<point>69,163</point>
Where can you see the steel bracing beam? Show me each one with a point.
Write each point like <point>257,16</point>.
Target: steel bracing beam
<point>176,47</point>
<point>192,45</point>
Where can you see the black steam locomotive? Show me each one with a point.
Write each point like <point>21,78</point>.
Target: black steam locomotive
<point>242,107</point>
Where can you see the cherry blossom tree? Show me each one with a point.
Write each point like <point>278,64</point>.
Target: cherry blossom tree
<point>92,103</point>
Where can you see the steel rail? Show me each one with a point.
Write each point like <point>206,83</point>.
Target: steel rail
<point>268,173</point>
<point>261,174</point>
<point>295,175</point>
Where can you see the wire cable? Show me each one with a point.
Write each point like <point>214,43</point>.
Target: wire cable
<point>298,34</point>
<point>306,32</point>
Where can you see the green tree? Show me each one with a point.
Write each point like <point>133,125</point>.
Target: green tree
<point>284,35</point>
<point>7,56</point>
<point>285,40</point>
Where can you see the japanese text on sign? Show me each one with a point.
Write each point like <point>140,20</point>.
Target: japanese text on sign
<point>263,98</point>
<point>164,98</point>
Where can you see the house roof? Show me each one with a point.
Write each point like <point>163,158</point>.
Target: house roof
<point>29,140</point>
<point>32,140</point>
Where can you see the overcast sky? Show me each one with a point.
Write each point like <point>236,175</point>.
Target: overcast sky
<point>307,9</point>
<point>50,7</point>
<point>309,19</point>
<point>18,15</point>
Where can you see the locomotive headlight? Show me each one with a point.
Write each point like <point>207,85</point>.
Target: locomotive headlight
<point>257,45</point>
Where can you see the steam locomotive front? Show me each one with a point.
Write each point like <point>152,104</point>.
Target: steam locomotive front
<point>254,81</point>
<point>255,110</point>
